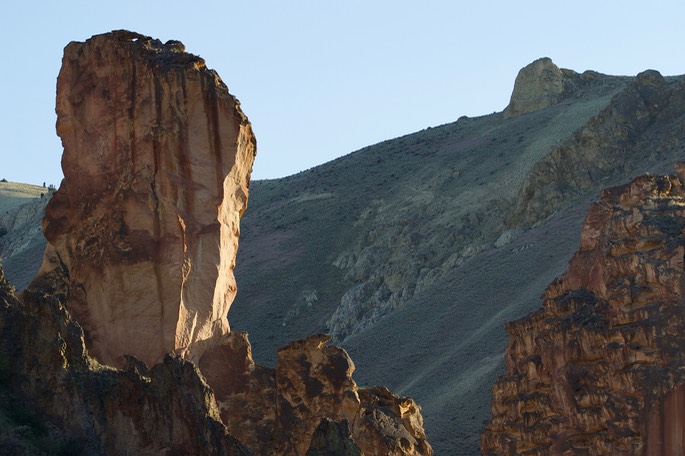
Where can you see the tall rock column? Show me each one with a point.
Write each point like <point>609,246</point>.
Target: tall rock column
<point>157,160</point>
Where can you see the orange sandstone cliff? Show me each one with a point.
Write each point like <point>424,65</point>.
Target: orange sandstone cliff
<point>122,340</point>
<point>600,369</point>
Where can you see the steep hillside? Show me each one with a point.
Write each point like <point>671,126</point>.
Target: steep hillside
<point>14,194</point>
<point>414,252</point>
<point>364,232</point>
<point>21,239</point>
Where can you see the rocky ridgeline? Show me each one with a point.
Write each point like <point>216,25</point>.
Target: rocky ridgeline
<point>408,245</point>
<point>138,272</point>
<point>646,119</point>
<point>542,84</point>
<point>599,369</point>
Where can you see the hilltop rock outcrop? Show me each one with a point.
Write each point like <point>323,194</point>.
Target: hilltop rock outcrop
<point>600,368</point>
<point>157,160</point>
<point>644,122</point>
<point>538,85</point>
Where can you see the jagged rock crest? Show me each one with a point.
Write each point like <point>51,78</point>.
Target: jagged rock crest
<point>599,369</point>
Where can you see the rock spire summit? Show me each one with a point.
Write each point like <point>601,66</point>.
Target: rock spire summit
<point>157,160</point>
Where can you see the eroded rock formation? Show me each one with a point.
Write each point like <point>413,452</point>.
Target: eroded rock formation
<point>538,85</point>
<point>168,409</point>
<point>138,272</point>
<point>600,368</point>
<point>278,411</point>
<point>157,160</point>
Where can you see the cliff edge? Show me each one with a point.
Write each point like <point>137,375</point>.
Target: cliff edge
<point>599,369</point>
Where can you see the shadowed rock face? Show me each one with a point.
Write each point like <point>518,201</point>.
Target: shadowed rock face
<point>157,160</point>
<point>599,369</point>
<point>168,409</point>
<point>280,411</point>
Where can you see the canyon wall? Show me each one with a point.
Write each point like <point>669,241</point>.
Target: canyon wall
<point>599,369</point>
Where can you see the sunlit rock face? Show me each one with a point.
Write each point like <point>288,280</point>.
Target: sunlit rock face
<point>157,159</point>
<point>600,368</point>
<point>538,85</point>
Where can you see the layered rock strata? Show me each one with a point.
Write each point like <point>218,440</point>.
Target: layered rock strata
<point>600,368</point>
<point>157,159</point>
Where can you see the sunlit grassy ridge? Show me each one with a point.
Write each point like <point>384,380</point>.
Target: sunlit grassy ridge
<point>14,194</point>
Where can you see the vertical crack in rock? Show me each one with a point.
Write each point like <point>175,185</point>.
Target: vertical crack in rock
<point>156,220</point>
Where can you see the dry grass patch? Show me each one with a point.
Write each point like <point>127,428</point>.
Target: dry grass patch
<point>14,194</point>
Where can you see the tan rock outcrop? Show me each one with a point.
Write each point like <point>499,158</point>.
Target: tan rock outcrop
<point>157,160</point>
<point>600,368</point>
<point>538,85</point>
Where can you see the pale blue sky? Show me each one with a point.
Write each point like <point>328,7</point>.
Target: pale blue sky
<point>320,79</point>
